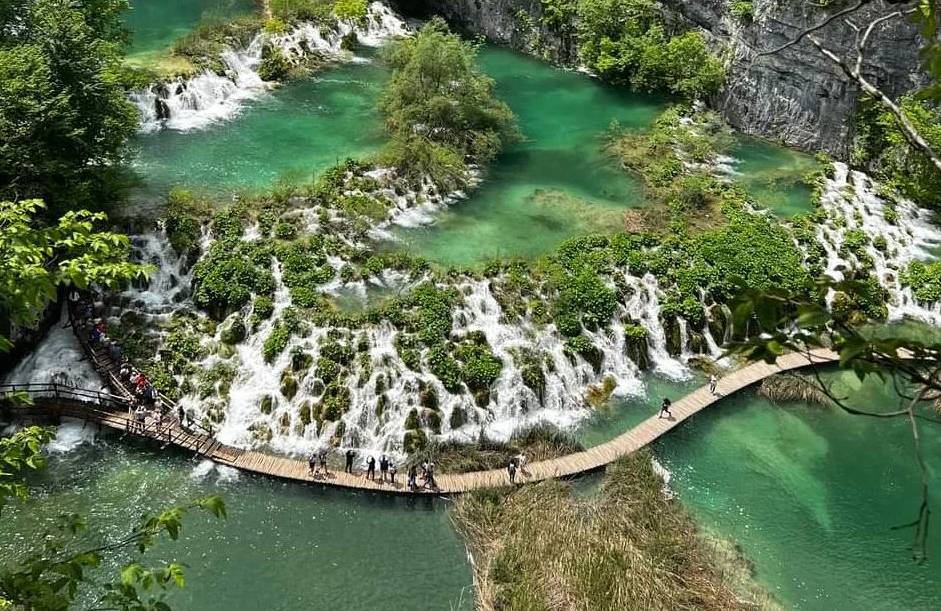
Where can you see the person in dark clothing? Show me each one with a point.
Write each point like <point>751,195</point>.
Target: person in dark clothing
<point>350,454</point>
<point>180,414</point>
<point>371,468</point>
<point>665,408</point>
<point>392,472</point>
<point>412,477</point>
<point>383,468</point>
<point>511,470</point>
<point>312,463</point>
<point>322,458</point>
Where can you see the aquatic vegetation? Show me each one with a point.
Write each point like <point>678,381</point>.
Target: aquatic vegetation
<point>637,549</point>
<point>924,279</point>
<point>791,388</point>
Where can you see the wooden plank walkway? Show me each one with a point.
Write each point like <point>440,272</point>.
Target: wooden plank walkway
<point>70,402</point>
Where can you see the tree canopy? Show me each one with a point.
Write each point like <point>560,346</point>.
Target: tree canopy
<point>64,115</point>
<point>439,107</point>
<point>36,259</point>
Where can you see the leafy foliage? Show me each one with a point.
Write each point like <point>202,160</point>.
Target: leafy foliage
<point>439,107</point>
<point>38,259</point>
<point>64,117</point>
<point>628,41</point>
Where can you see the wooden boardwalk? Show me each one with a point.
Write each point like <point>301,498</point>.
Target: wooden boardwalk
<point>112,410</point>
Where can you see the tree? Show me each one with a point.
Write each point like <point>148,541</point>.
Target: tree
<point>51,577</point>
<point>439,107</point>
<point>36,260</point>
<point>64,115</point>
<point>780,321</point>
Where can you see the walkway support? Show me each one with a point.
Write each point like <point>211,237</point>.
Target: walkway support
<point>113,410</point>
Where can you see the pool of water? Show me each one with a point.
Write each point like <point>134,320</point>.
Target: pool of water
<point>773,174</point>
<point>811,496</point>
<point>156,24</point>
<point>291,134</point>
<point>283,547</point>
<point>556,182</point>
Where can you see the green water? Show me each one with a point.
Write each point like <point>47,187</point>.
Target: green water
<point>811,495</point>
<point>555,183</point>
<point>772,175</point>
<point>291,134</point>
<point>156,24</point>
<point>284,546</point>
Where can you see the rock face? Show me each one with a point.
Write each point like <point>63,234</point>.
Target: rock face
<point>796,96</point>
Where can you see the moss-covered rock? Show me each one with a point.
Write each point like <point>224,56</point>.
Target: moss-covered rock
<point>304,413</point>
<point>288,385</point>
<point>635,345</point>
<point>266,406</point>
<point>432,420</point>
<point>457,418</point>
<point>414,441</point>
<point>411,420</point>
<point>233,330</point>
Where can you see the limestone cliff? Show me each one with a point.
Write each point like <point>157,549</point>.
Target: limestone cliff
<point>796,96</point>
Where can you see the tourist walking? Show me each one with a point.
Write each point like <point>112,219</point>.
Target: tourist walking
<point>665,408</point>
<point>511,470</point>
<point>713,383</point>
<point>323,460</point>
<point>371,468</point>
<point>521,462</point>
<point>312,463</point>
<point>392,472</point>
<point>180,414</point>
<point>430,476</point>
<point>412,478</point>
<point>350,455</point>
<point>383,468</point>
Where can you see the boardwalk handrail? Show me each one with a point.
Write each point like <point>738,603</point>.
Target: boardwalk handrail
<point>65,391</point>
<point>70,401</point>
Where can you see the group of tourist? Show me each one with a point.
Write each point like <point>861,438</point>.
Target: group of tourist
<point>666,404</point>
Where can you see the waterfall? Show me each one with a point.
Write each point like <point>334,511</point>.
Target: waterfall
<point>193,103</point>
<point>57,359</point>
<point>852,202</point>
<point>169,282</point>
<point>644,306</point>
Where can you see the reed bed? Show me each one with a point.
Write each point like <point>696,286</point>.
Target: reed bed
<point>538,548</point>
<point>538,442</point>
<point>790,388</point>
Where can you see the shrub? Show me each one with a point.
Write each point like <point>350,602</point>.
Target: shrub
<point>274,65</point>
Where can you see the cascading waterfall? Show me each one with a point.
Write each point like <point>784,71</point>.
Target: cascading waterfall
<point>187,104</point>
<point>384,391</point>
<point>852,203</point>
<point>57,359</point>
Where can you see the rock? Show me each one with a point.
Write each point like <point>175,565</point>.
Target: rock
<point>796,96</point>
<point>414,441</point>
<point>232,330</point>
<point>266,406</point>
<point>288,385</point>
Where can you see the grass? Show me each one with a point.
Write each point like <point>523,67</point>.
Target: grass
<point>539,548</point>
<point>538,442</point>
<point>789,388</point>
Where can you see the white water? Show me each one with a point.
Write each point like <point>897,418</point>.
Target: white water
<point>513,405</point>
<point>194,103</point>
<point>58,359</point>
<point>852,197</point>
